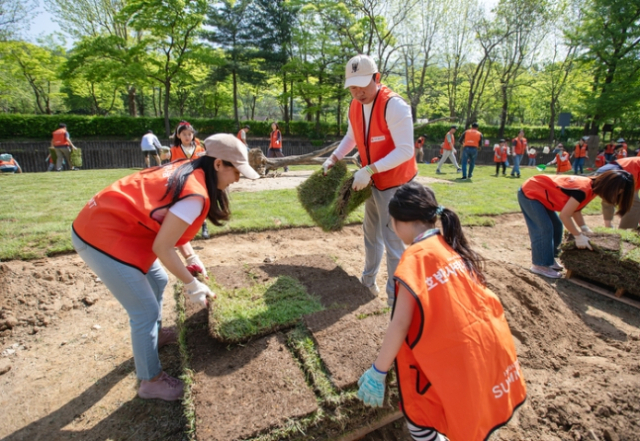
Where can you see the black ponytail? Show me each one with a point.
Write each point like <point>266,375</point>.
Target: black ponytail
<point>219,208</point>
<point>415,202</point>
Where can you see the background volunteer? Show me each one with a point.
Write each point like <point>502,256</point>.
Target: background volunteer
<point>61,142</point>
<point>448,149</point>
<point>150,145</point>
<point>631,219</point>
<point>471,141</point>
<point>387,154</point>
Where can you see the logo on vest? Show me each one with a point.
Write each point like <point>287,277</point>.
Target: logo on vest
<point>378,138</point>
<point>354,67</point>
<point>511,374</point>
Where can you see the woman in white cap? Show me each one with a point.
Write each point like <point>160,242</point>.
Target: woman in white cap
<point>124,230</point>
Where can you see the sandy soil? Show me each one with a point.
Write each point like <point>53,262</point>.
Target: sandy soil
<point>66,369</point>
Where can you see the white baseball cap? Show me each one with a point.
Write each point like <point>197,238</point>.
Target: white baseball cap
<point>359,71</point>
<point>231,149</point>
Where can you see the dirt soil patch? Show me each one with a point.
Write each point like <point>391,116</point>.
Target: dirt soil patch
<point>68,378</point>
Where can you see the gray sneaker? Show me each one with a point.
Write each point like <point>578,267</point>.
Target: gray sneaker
<point>557,266</point>
<point>545,271</point>
<point>164,388</point>
<point>373,288</point>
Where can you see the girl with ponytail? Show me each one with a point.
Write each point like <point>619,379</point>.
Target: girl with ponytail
<point>455,360</point>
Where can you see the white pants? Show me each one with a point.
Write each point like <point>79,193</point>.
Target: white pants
<point>447,154</point>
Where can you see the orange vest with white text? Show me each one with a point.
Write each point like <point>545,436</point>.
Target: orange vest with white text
<point>239,136</point>
<point>499,154</point>
<point>472,138</point>
<point>632,165</point>
<point>177,152</point>
<point>122,220</point>
<point>60,138</point>
<point>276,138</point>
<point>10,163</point>
<point>609,148</point>
<point>600,160</point>
<point>563,162</point>
<point>521,145</point>
<point>547,190</point>
<point>378,142</point>
<point>457,369</point>
<point>580,151</point>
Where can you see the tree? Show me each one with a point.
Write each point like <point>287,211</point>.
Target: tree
<point>38,65</point>
<point>608,41</point>
<point>167,32</point>
<point>14,14</point>
<point>232,34</point>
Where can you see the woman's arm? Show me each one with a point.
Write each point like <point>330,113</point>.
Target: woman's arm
<point>577,217</point>
<point>567,215</point>
<point>170,232</point>
<point>397,330</point>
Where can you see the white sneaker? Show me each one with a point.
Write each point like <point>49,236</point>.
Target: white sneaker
<point>545,271</point>
<point>556,265</point>
<point>373,288</point>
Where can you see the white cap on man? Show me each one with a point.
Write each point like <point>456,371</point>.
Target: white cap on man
<point>229,148</point>
<point>359,71</point>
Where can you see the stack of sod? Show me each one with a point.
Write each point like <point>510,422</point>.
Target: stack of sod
<point>614,261</point>
<point>76,157</point>
<point>239,315</point>
<point>329,199</point>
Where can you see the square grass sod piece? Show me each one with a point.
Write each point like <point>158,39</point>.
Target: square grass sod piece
<point>240,314</point>
<point>329,199</point>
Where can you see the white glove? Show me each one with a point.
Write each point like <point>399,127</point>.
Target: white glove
<point>328,164</point>
<point>198,292</point>
<point>582,242</point>
<point>361,179</point>
<point>586,229</point>
<point>195,260</point>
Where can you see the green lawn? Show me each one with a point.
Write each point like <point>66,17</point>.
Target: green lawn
<point>38,208</point>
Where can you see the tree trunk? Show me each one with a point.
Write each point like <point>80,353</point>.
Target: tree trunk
<point>286,102</point>
<point>131,94</point>
<point>503,112</point>
<point>235,99</point>
<point>167,92</point>
<point>552,121</point>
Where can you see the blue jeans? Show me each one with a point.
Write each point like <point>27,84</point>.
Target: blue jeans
<point>609,157</point>
<point>545,230</point>
<point>469,154</point>
<point>378,237</point>
<point>516,165</point>
<point>532,162</point>
<point>578,163</point>
<point>141,297</point>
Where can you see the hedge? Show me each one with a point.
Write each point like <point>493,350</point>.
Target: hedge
<point>40,127</point>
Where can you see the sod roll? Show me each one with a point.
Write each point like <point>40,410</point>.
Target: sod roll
<point>614,261</point>
<point>329,199</point>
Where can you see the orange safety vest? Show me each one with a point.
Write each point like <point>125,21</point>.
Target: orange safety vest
<point>600,160</point>
<point>472,138</point>
<point>446,145</point>
<point>563,162</point>
<point>499,155</point>
<point>521,145</point>
<point>276,140</point>
<point>10,163</point>
<point>177,152</point>
<point>60,138</point>
<point>632,165</point>
<point>622,153</point>
<point>122,220</point>
<point>609,148</point>
<point>580,151</point>
<point>378,142</point>
<point>457,369</point>
<point>239,136</point>
<point>419,142</point>
<point>547,190</point>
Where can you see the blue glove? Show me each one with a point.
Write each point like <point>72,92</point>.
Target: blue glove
<point>371,384</point>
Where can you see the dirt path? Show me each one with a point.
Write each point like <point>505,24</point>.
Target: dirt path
<point>66,366</point>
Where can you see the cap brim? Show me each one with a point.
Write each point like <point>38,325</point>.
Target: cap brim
<point>358,81</point>
<point>247,171</point>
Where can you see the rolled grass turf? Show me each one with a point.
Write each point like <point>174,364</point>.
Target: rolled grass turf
<point>329,199</point>
<point>614,261</point>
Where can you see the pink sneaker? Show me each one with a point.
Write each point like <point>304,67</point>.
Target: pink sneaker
<point>545,271</point>
<point>166,336</point>
<point>165,388</point>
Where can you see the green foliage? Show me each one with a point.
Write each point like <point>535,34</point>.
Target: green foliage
<point>241,314</point>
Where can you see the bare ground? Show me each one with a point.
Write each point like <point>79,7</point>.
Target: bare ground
<point>67,370</point>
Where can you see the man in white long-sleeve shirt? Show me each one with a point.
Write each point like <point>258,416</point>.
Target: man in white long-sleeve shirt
<point>381,127</point>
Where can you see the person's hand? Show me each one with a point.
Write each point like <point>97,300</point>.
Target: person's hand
<point>582,242</point>
<point>586,229</point>
<point>328,164</point>
<point>361,179</point>
<point>195,260</point>
<point>371,384</point>
<point>198,292</point>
